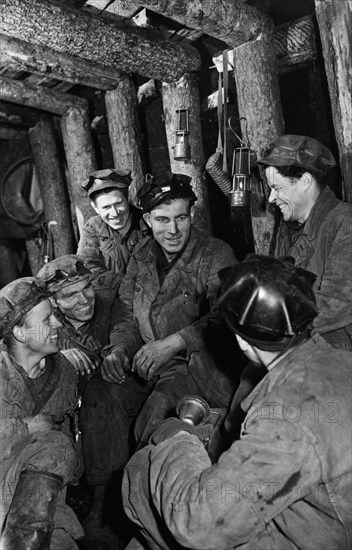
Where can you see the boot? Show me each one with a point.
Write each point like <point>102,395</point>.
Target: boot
<point>29,523</point>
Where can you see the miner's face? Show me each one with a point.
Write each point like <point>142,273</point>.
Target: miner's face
<point>289,196</point>
<point>40,331</point>
<point>171,225</point>
<point>77,301</point>
<point>113,208</point>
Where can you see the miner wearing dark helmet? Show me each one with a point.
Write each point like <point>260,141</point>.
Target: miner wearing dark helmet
<point>109,237</point>
<point>286,483</point>
<point>158,348</point>
<point>315,228</point>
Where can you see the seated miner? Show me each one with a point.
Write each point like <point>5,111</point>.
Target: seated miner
<point>108,239</point>
<point>84,314</point>
<point>38,453</point>
<point>287,482</point>
<point>316,228</point>
<point>157,351</point>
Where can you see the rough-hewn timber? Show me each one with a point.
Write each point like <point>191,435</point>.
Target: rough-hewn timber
<point>82,34</point>
<point>179,95</point>
<point>52,185</point>
<point>21,56</point>
<point>38,97</point>
<point>259,103</point>
<point>80,157</point>
<point>125,132</point>
<point>335,22</point>
<point>229,20</point>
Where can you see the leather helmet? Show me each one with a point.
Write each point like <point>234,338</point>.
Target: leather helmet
<point>267,301</point>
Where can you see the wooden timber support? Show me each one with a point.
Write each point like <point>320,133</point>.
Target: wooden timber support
<point>18,55</point>
<point>229,20</point>
<point>335,21</point>
<point>39,97</point>
<point>179,95</point>
<point>125,131</point>
<point>52,185</point>
<point>81,161</point>
<point>79,33</point>
<point>258,96</point>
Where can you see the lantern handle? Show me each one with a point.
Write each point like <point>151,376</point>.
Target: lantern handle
<point>242,142</point>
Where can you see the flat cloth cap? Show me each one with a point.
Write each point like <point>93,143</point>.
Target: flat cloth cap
<point>107,179</point>
<point>63,271</point>
<point>303,151</point>
<point>16,299</point>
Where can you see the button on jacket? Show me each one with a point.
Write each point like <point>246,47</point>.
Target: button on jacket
<point>325,248</point>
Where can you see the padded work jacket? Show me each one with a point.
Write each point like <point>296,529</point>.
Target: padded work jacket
<point>325,248</point>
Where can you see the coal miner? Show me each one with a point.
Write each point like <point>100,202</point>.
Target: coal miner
<point>38,454</point>
<point>286,483</point>
<point>109,237</point>
<point>158,346</point>
<point>84,315</point>
<point>316,228</point>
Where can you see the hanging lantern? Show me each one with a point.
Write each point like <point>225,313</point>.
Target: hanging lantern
<point>182,148</point>
<point>241,177</point>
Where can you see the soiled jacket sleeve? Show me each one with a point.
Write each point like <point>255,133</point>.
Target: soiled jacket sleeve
<point>124,333</point>
<point>227,504</point>
<point>334,293</point>
<point>104,280</point>
<point>194,335</point>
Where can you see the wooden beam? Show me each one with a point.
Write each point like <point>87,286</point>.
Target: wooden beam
<point>52,185</point>
<point>229,20</point>
<point>81,161</point>
<point>259,105</point>
<point>21,56</point>
<point>185,94</point>
<point>38,97</point>
<point>335,21</point>
<point>125,132</point>
<point>19,115</point>
<point>79,33</point>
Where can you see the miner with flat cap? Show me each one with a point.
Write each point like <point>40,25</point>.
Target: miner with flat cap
<point>158,349</point>
<point>315,228</point>
<point>286,483</point>
<point>38,454</point>
<point>109,237</point>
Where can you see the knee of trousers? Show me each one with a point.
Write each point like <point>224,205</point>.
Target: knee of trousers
<point>51,452</point>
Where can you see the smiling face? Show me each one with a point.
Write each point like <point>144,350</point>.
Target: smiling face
<point>77,301</point>
<point>171,225</point>
<point>290,196</point>
<point>113,208</point>
<point>40,330</point>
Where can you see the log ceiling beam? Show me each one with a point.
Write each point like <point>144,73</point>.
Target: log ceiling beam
<point>81,34</point>
<point>39,97</point>
<point>18,55</point>
<point>229,20</point>
<point>19,116</point>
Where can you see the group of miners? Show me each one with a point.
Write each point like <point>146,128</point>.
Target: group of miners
<point>99,348</point>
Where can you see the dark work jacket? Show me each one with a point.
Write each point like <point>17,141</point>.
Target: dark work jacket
<point>325,248</point>
<point>107,253</point>
<point>184,304</point>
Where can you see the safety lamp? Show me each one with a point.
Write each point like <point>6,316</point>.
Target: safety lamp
<point>182,148</point>
<point>240,194</point>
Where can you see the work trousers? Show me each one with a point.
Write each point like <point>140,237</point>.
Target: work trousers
<point>53,452</point>
<point>115,418</point>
